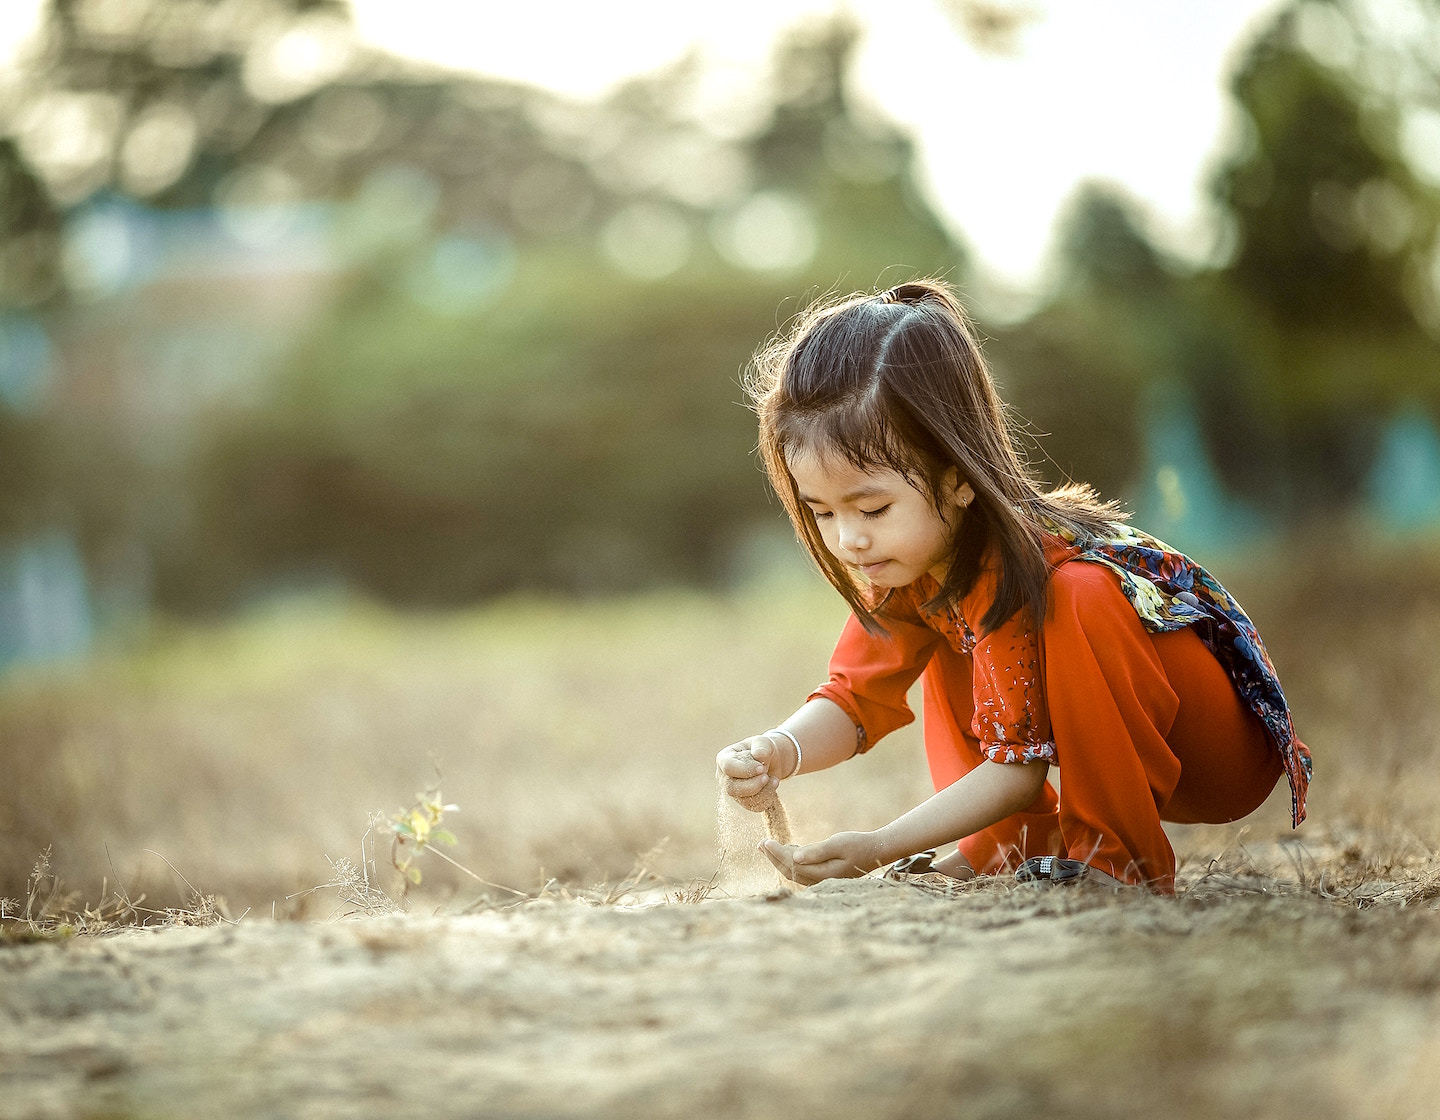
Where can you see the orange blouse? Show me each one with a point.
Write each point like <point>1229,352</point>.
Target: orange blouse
<point>870,674</point>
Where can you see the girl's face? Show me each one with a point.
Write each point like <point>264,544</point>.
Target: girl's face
<point>876,521</point>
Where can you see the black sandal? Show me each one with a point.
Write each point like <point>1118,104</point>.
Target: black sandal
<point>1051,869</point>
<point>918,864</point>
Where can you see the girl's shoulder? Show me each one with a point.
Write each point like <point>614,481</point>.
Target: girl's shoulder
<point>1126,546</point>
<point>1116,540</point>
<point>1167,588</point>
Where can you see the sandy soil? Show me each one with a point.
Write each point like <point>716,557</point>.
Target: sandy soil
<point>861,998</point>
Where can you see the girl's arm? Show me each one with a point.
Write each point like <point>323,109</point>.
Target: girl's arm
<point>988,794</point>
<point>753,765</point>
<point>869,677</point>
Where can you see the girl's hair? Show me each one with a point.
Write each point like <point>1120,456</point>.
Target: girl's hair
<point>897,381</point>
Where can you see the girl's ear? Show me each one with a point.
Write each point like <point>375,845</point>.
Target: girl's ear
<point>954,492</point>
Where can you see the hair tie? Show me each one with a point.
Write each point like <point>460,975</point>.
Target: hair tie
<point>908,293</point>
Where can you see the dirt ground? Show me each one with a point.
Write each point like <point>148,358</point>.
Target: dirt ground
<point>636,963</point>
<point>860,998</point>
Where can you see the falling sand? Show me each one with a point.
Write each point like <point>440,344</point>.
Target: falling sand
<point>731,826</point>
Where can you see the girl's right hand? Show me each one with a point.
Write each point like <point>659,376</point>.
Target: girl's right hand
<point>753,767</point>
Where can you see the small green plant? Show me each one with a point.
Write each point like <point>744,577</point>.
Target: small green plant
<point>417,830</point>
<point>420,829</point>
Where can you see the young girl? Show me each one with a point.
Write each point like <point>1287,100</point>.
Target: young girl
<point>1046,631</point>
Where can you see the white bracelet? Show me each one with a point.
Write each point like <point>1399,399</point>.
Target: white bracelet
<point>799,755</point>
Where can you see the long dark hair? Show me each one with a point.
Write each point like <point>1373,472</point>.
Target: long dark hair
<point>897,381</point>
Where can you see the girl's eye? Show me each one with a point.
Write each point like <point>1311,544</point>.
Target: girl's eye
<point>819,515</point>
<point>872,513</point>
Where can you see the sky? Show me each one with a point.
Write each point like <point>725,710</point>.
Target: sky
<point>1128,91</point>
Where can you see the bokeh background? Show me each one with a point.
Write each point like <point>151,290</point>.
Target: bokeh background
<point>357,408</point>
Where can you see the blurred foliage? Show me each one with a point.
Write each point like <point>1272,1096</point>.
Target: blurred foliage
<point>554,403</point>
<point>521,366</point>
<point>1321,318</point>
<point>583,431</point>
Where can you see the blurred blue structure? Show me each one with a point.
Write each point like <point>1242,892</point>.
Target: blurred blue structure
<point>1180,498</point>
<point>180,313</point>
<point>1404,484</point>
<point>44,601</point>
<point>177,313</point>
<point>462,272</point>
<point>26,362</point>
<point>113,244</point>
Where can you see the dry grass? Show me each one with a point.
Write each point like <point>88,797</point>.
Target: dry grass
<point>573,738</point>
<point>51,912</point>
<point>576,738</point>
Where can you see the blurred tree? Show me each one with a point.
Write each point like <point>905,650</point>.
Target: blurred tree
<point>29,229</point>
<point>1322,320</point>
<point>28,276</point>
<point>1332,287</point>
<point>583,430</point>
<point>534,315</point>
<point>192,103</point>
<point>166,102</point>
<point>993,28</point>
<point>1077,368</point>
<point>529,375</point>
<point>1303,253</point>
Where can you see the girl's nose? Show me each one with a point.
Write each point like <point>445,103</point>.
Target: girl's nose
<point>853,538</point>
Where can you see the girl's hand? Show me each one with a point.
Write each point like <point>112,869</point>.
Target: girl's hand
<point>752,767</point>
<point>846,855</point>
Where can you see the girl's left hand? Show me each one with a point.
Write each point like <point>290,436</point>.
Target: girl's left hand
<point>846,855</point>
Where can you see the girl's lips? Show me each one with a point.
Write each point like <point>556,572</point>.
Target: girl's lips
<point>871,569</point>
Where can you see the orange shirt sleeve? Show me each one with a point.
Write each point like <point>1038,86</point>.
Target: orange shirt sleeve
<point>1012,720</point>
<point>870,674</point>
